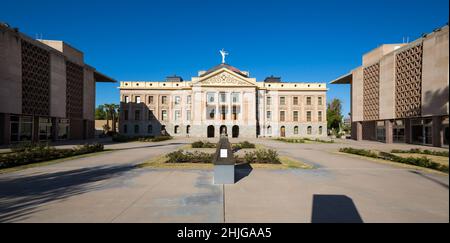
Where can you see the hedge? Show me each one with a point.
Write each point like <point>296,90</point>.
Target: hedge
<point>419,151</point>
<point>422,161</point>
<point>28,154</point>
<point>119,138</point>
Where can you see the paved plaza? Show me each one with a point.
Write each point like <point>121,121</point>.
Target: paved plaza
<point>342,188</point>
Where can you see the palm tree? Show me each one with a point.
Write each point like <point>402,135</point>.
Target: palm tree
<point>111,113</point>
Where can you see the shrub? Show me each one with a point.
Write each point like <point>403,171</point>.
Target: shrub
<point>291,140</point>
<point>161,138</point>
<point>362,152</point>
<point>419,151</point>
<point>247,145</point>
<point>201,144</point>
<point>41,152</point>
<point>243,145</point>
<point>422,161</point>
<point>119,138</point>
<point>262,156</point>
<point>187,157</point>
<point>22,146</point>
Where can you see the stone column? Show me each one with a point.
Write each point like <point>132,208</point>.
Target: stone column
<point>388,128</point>
<point>408,135</point>
<point>437,131</point>
<point>359,131</point>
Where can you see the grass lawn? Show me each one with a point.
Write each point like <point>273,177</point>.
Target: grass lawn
<point>434,158</point>
<point>50,162</point>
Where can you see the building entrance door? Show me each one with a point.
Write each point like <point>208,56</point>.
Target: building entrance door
<point>235,131</point>
<point>210,131</point>
<point>283,132</point>
<point>223,130</point>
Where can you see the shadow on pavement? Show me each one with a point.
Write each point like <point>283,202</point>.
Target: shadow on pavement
<point>241,171</point>
<point>21,196</point>
<point>430,178</point>
<point>334,209</point>
<point>148,146</point>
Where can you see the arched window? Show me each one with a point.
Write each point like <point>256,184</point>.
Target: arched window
<point>320,130</point>
<point>296,130</point>
<point>150,129</point>
<point>176,129</point>
<point>309,130</point>
<point>269,130</point>
<point>136,128</point>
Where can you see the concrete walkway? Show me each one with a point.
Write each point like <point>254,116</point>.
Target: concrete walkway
<point>108,188</point>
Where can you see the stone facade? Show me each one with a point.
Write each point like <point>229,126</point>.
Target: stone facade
<point>47,92</point>
<point>223,99</point>
<point>400,93</point>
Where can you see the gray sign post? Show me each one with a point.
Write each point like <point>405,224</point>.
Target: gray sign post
<point>224,162</point>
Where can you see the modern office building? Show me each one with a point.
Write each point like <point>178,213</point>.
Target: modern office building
<point>47,92</point>
<point>223,99</point>
<point>400,93</point>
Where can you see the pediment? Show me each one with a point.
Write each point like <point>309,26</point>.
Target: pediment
<point>224,77</point>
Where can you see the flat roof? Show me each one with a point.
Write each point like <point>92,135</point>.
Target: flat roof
<point>344,79</point>
<point>100,77</point>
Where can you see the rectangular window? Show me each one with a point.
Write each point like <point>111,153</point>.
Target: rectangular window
<point>235,113</point>
<point>138,99</point>
<point>308,100</point>
<point>127,99</point>
<point>164,115</point>
<point>319,116</point>
<point>308,116</point>
<point>295,100</point>
<point>137,115</point>
<point>295,116</point>
<point>164,100</point>
<point>282,116</point>
<point>269,100</point>
<point>125,115</point>
<point>235,97</point>
<point>150,100</point>
<point>223,113</point>
<point>151,116</point>
<point>188,115</point>
<point>45,128</point>
<point>177,100</point>
<point>269,115</point>
<point>319,100</point>
<point>282,100</point>
<point>210,97</point>
<point>223,97</point>
<point>177,115</point>
<point>188,99</point>
<point>63,129</point>
<point>210,112</point>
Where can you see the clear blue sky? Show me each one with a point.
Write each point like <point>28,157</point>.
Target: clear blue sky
<point>311,41</point>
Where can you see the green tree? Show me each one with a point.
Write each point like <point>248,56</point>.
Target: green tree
<point>334,115</point>
<point>100,113</point>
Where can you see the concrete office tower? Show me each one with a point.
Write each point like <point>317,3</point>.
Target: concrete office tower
<point>400,93</point>
<point>47,92</point>
<point>223,100</point>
